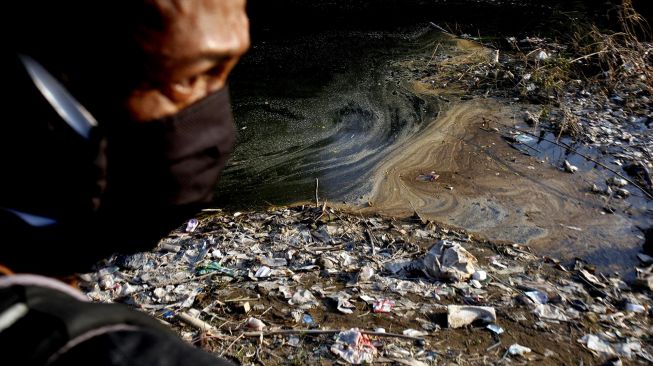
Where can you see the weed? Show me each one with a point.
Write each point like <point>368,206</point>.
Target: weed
<point>583,58</point>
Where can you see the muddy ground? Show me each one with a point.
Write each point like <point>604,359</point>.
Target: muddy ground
<point>226,269</point>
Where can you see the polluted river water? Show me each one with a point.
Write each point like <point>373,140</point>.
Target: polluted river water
<point>349,109</point>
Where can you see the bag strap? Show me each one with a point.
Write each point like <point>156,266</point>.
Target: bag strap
<point>42,317</point>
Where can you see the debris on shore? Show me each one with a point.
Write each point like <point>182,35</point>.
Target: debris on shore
<point>304,284</point>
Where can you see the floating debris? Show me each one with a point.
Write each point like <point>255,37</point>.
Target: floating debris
<point>634,308</point>
<point>365,274</point>
<point>414,333</point>
<point>570,168</point>
<point>255,324</point>
<point>460,315</point>
<point>304,299</point>
<point>383,306</point>
<point>617,182</point>
<point>431,177</point>
<point>479,275</point>
<point>531,119</point>
<point>307,319</point>
<point>448,260</point>
<point>524,139</point>
<point>596,344</point>
<point>495,329</point>
<point>621,192</point>
<point>542,56</point>
<point>645,258</point>
<point>263,272</point>
<point>518,350</point>
<point>354,347</point>
<point>192,225</point>
<point>537,297</point>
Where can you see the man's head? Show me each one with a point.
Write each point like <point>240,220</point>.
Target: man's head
<point>156,56</point>
<point>188,48</point>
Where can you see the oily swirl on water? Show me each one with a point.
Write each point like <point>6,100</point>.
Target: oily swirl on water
<point>497,191</point>
<point>339,136</point>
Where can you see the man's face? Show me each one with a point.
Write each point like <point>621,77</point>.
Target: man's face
<point>189,48</point>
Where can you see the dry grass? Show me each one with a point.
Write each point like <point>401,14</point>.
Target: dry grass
<point>585,57</point>
<point>619,55</point>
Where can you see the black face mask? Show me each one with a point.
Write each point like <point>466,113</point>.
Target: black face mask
<point>161,172</point>
<point>174,160</point>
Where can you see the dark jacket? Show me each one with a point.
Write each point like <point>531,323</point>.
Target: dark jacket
<point>45,322</point>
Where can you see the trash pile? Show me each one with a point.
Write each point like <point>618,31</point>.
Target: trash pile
<point>315,284</point>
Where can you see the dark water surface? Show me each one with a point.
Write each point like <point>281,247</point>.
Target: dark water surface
<point>322,94</point>
<point>326,106</point>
